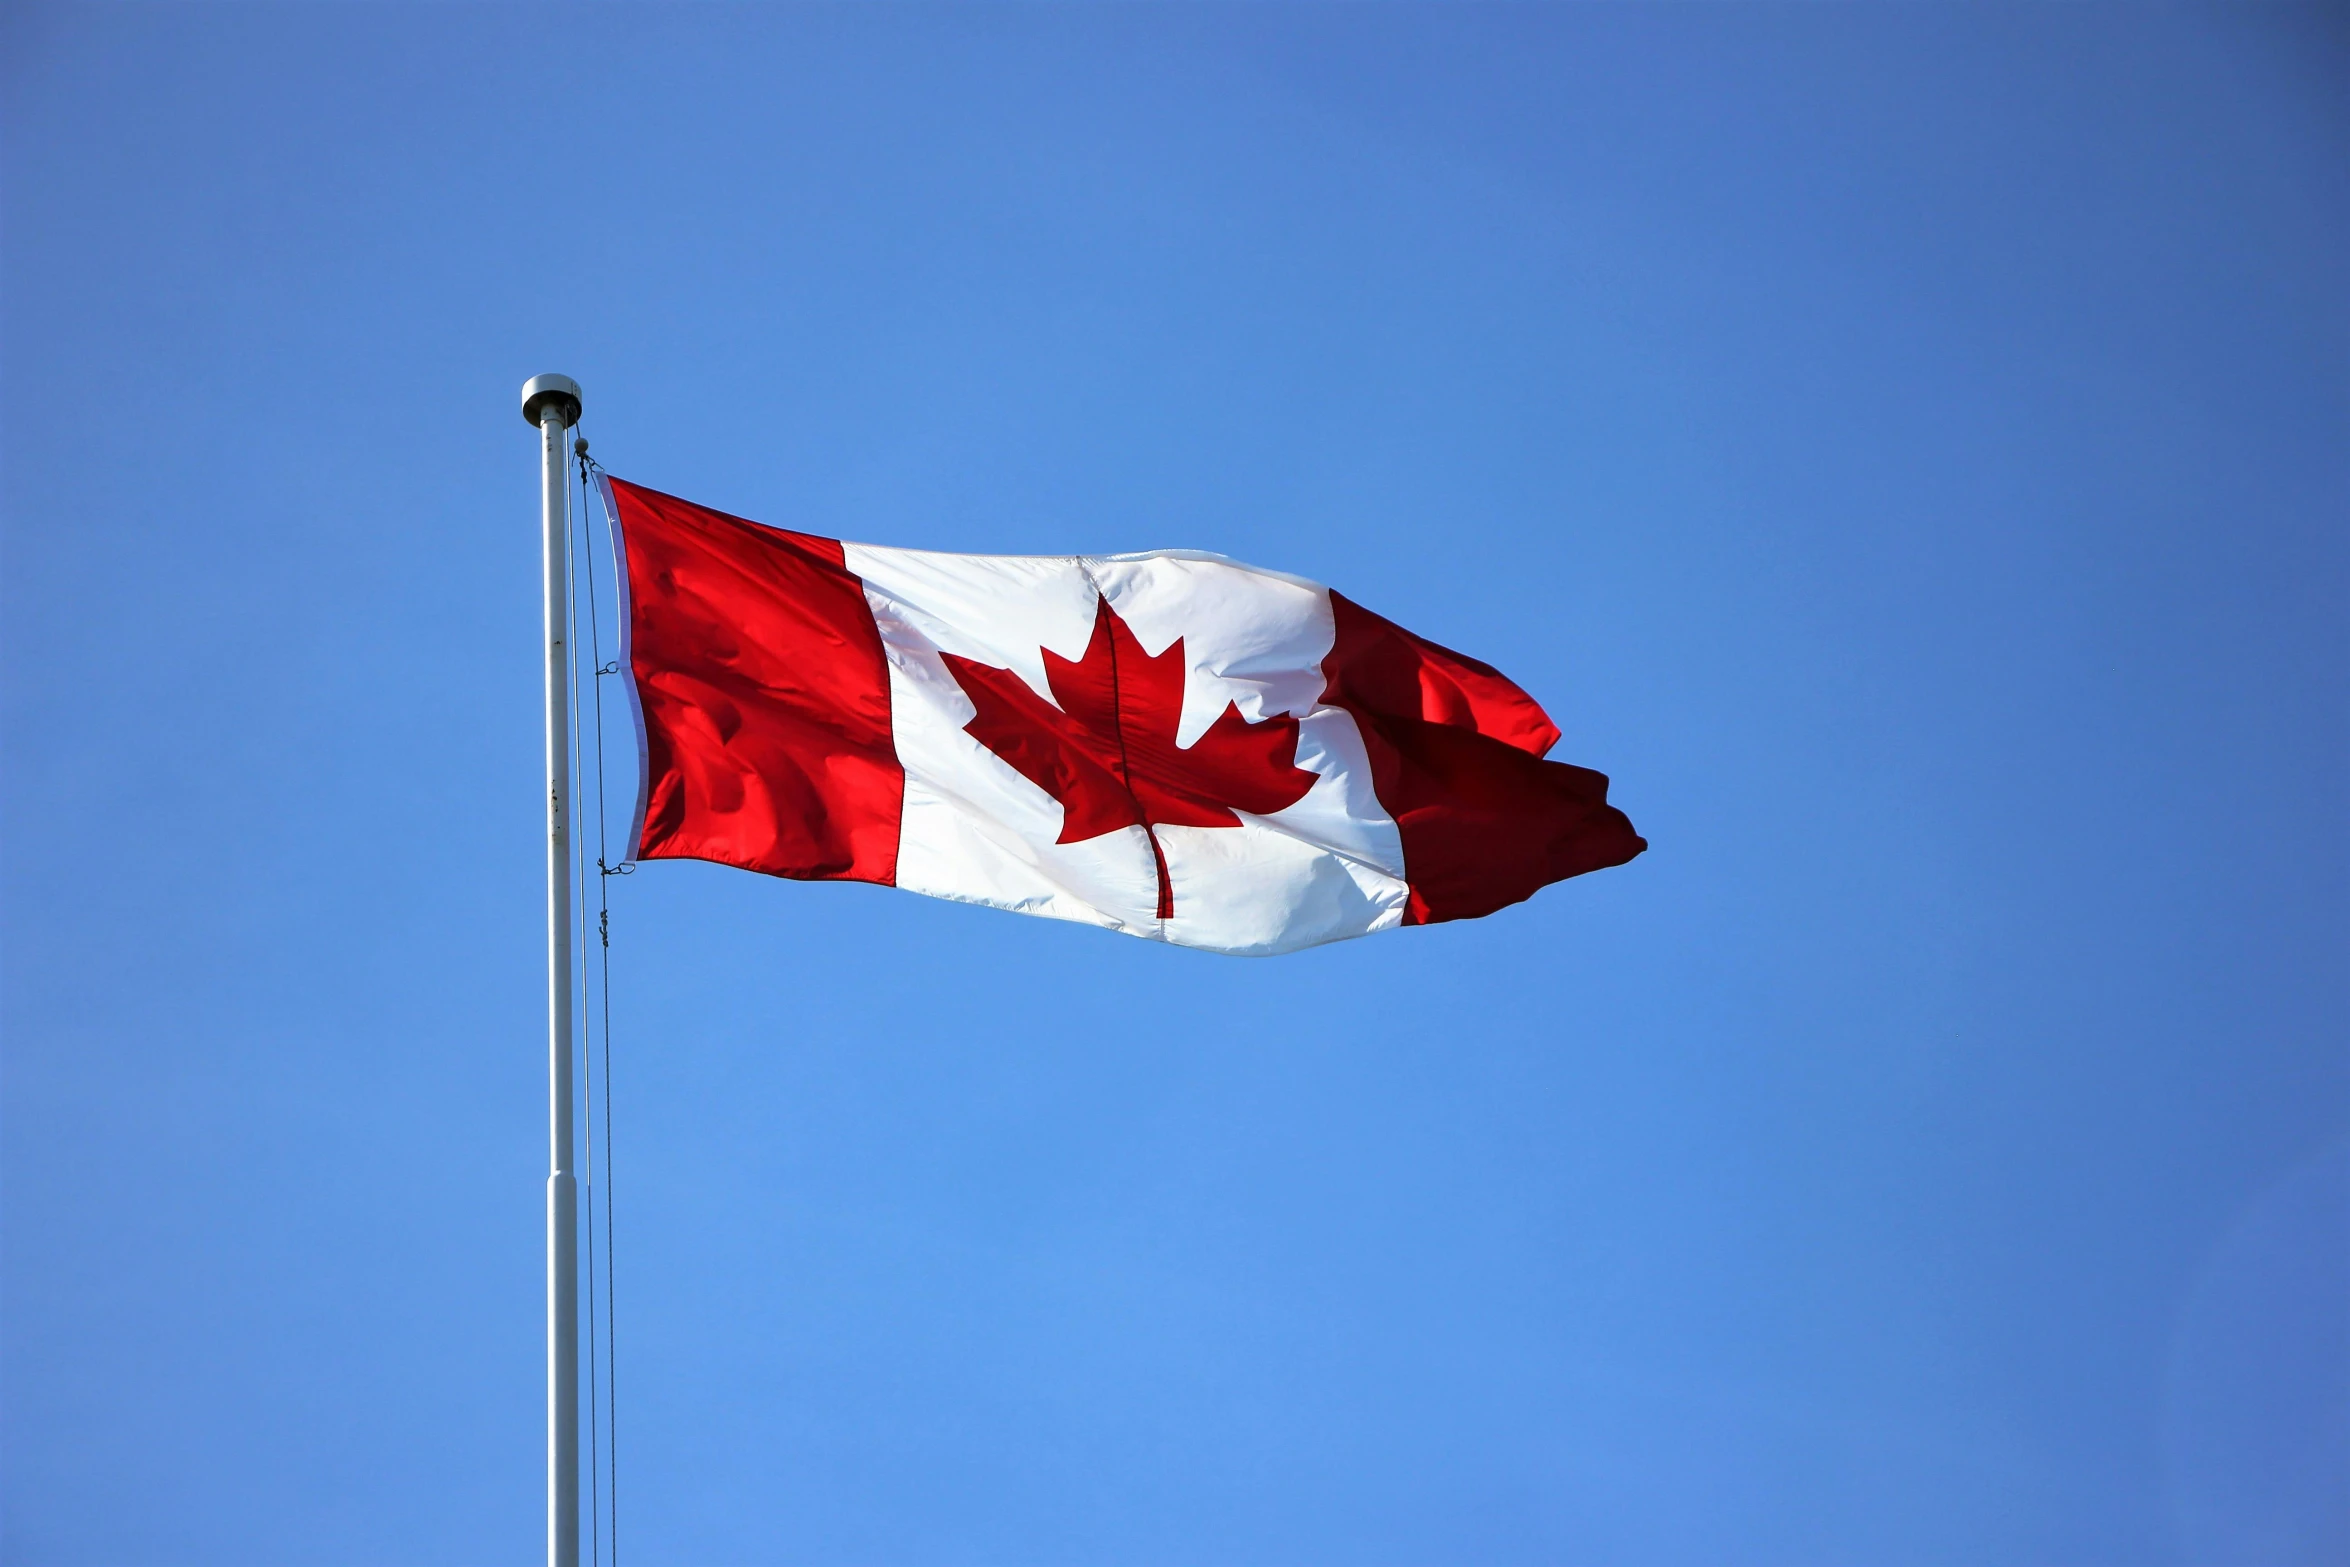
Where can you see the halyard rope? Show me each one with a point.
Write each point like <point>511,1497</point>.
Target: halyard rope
<point>604,871</point>
<point>579,993</point>
<point>602,1379</point>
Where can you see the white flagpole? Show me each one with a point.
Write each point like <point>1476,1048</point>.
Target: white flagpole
<point>552,403</point>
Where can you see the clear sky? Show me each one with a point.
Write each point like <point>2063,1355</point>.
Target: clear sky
<point>1905,447</point>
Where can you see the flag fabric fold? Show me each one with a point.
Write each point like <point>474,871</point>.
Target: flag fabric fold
<point>1169,744</point>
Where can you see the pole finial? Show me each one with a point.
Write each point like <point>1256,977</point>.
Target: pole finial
<point>543,392</point>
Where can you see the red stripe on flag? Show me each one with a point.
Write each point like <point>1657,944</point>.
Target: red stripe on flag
<point>1456,757</point>
<point>765,696</point>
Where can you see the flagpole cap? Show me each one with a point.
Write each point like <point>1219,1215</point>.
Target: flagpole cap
<point>541,392</point>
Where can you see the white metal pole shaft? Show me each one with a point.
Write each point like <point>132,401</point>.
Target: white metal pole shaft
<point>552,403</point>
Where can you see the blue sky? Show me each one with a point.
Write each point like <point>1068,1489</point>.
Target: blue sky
<point>1903,446</point>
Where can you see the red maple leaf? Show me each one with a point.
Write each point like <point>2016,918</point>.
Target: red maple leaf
<point>1108,751</point>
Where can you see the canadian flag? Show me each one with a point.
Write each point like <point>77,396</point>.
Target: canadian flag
<point>1169,744</point>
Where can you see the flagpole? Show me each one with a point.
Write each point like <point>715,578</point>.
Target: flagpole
<point>552,403</point>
